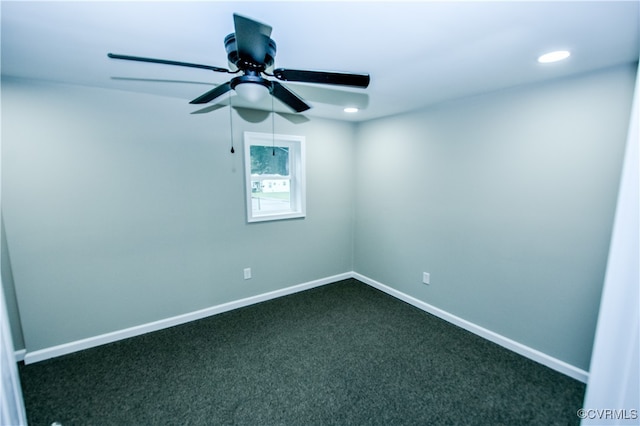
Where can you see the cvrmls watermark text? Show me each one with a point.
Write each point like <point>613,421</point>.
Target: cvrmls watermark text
<point>607,414</point>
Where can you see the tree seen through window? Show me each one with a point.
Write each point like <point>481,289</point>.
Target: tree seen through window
<point>269,160</point>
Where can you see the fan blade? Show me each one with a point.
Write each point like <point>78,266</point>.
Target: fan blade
<point>252,39</point>
<point>158,80</point>
<point>208,109</point>
<point>294,118</point>
<point>167,62</point>
<point>212,94</point>
<point>323,77</point>
<point>335,95</point>
<point>289,98</point>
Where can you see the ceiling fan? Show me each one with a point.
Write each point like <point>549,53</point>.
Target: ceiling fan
<point>252,51</point>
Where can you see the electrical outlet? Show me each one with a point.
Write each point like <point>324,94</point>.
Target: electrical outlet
<point>426,278</point>
<point>247,273</point>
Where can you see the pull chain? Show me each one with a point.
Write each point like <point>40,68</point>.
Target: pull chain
<point>273,130</point>
<point>231,125</point>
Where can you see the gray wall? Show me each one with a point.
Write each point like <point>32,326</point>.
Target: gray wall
<point>8,286</point>
<point>123,209</point>
<point>507,199</point>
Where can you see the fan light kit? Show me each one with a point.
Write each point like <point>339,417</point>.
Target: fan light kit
<point>555,56</point>
<point>251,91</point>
<point>252,51</point>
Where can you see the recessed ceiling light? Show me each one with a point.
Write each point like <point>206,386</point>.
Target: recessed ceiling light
<point>351,109</point>
<point>555,56</point>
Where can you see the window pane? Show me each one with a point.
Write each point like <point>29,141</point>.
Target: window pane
<point>275,176</point>
<point>269,160</point>
<point>270,195</point>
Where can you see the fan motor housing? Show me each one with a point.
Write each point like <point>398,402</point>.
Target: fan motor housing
<point>234,58</point>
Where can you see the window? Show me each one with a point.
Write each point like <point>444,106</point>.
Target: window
<point>275,181</point>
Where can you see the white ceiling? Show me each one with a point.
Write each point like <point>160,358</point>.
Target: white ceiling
<point>417,53</point>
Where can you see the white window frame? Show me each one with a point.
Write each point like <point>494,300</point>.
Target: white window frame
<point>297,165</point>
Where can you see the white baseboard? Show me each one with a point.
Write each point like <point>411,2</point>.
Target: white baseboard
<point>67,348</point>
<point>19,354</point>
<point>519,348</point>
<point>533,354</point>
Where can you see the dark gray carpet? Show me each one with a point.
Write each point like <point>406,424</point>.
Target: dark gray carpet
<point>341,354</point>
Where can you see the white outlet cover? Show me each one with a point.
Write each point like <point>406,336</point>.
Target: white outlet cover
<point>426,277</point>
